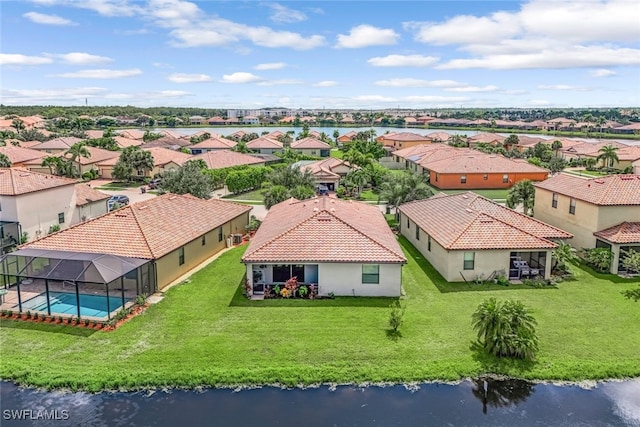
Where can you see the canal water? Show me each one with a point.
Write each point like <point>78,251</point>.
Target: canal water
<point>469,403</point>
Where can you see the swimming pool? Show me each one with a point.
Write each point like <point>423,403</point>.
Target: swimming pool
<point>66,303</point>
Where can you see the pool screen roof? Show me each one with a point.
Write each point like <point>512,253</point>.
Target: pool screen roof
<point>67,266</point>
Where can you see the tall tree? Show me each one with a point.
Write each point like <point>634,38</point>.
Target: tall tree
<point>132,161</point>
<point>522,193</point>
<point>405,187</point>
<point>77,150</point>
<point>556,146</point>
<point>608,155</point>
<point>189,178</point>
<point>54,163</point>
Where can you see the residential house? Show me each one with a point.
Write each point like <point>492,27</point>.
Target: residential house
<point>347,137</point>
<point>124,142</point>
<point>311,147</point>
<point>493,139</point>
<point>636,167</point>
<point>586,150</point>
<point>56,145</point>
<point>467,237</point>
<point>174,233</point>
<point>96,157</point>
<point>132,134</point>
<point>90,203</point>
<point>167,142</point>
<point>225,159</point>
<point>402,139</point>
<point>596,211</point>
<point>18,156</point>
<point>344,247</point>
<point>326,172</point>
<point>197,120</point>
<point>214,143</point>
<point>165,160</point>
<point>250,120</point>
<point>264,145</point>
<point>438,137</point>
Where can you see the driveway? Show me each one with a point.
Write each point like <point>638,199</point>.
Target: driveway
<point>133,193</point>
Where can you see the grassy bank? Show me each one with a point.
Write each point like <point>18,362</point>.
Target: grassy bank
<point>205,333</point>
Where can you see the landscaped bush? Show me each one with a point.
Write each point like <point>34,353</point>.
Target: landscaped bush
<point>248,179</point>
<point>291,289</point>
<point>599,259</point>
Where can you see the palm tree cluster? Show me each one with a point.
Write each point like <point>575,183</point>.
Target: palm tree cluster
<point>522,193</point>
<point>69,163</point>
<point>132,161</point>
<point>403,188</point>
<point>506,329</point>
<point>287,182</point>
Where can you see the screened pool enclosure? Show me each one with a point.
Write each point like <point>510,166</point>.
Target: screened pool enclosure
<point>79,284</point>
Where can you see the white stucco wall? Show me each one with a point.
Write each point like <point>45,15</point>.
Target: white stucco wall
<point>89,211</point>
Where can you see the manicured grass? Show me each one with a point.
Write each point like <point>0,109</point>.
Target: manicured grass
<point>369,196</point>
<point>205,333</point>
<point>255,195</point>
<point>584,172</point>
<point>337,153</point>
<point>494,194</point>
<point>120,185</point>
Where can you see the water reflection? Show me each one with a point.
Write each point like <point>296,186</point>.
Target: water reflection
<point>501,393</point>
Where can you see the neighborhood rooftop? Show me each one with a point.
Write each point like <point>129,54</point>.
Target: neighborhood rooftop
<point>16,181</point>
<point>470,221</point>
<point>624,233</point>
<point>604,191</point>
<point>147,229</point>
<point>324,229</point>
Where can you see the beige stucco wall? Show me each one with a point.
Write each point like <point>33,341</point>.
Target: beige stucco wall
<point>39,210</point>
<point>451,263</point>
<point>587,220</point>
<point>346,279</point>
<point>89,211</point>
<point>168,267</point>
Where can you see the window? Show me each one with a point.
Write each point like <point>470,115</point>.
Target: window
<point>220,234</point>
<point>463,179</point>
<point>554,201</point>
<point>437,177</point>
<point>140,172</point>
<point>203,239</point>
<point>408,223</point>
<point>469,260</point>
<point>417,232</point>
<point>314,152</point>
<point>281,273</point>
<point>572,206</point>
<point>485,176</point>
<point>297,271</point>
<point>370,273</point>
<point>429,243</point>
<point>181,256</point>
<point>505,178</point>
<point>61,218</point>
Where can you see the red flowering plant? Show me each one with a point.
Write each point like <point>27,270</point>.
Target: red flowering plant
<point>292,285</point>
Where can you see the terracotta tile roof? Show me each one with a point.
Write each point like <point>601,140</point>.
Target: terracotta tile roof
<point>589,148</point>
<point>94,134</point>
<point>274,135</point>
<point>224,159</point>
<point>162,156</point>
<point>57,143</point>
<point>487,137</point>
<point>20,154</point>
<point>124,142</point>
<point>264,142</point>
<point>630,153</point>
<point>85,194</point>
<point>97,155</point>
<point>609,190</point>
<point>148,230</point>
<point>468,221</point>
<point>132,134</point>
<point>527,141</point>
<point>167,142</point>
<point>324,168</point>
<point>626,232</point>
<point>215,142</point>
<point>324,229</point>
<point>438,136</point>
<point>310,142</point>
<point>171,133</point>
<point>417,152</point>
<point>478,162</point>
<point>404,136</point>
<point>28,144</point>
<point>16,181</point>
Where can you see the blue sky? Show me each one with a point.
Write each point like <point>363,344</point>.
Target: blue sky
<point>332,54</point>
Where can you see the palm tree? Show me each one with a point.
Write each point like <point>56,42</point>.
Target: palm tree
<point>608,155</point>
<point>409,186</point>
<point>77,150</point>
<point>17,124</point>
<point>275,194</point>
<point>556,146</point>
<point>359,178</point>
<point>54,163</point>
<point>506,329</point>
<point>563,255</point>
<point>522,193</point>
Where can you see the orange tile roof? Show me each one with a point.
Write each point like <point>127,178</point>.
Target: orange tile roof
<point>612,190</point>
<point>20,154</point>
<point>626,232</point>
<point>324,168</point>
<point>124,142</point>
<point>403,136</point>
<point>97,155</point>
<point>94,134</point>
<point>16,181</point>
<point>589,148</point>
<point>630,153</point>
<point>438,136</point>
<point>487,137</point>
<point>324,229</point>
<point>478,162</point>
<point>85,194</point>
<point>148,230</point>
<point>57,143</point>
<point>264,142</point>
<point>132,133</point>
<point>162,156</point>
<point>215,142</point>
<point>225,159</point>
<point>310,142</point>
<point>469,221</point>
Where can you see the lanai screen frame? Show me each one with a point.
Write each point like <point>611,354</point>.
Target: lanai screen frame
<point>78,268</point>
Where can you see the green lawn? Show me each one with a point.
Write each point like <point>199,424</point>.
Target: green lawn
<point>495,194</point>
<point>337,153</point>
<point>206,333</point>
<point>584,172</point>
<point>255,196</point>
<point>120,185</point>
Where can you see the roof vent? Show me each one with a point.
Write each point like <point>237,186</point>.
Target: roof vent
<point>314,209</point>
<point>469,210</point>
<point>332,209</point>
<point>464,196</point>
<point>598,181</point>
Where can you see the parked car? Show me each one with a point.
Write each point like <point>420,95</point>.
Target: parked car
<point>154,183</point>
<point>322,190</point>
<point>119,200</point>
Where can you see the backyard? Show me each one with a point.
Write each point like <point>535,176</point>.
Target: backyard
<point>204,332</point>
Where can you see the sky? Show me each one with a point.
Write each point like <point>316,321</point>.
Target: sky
<point>331,54</point>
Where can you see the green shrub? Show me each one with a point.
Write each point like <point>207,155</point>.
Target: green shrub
<point>599,259</point>
<point>396,316</point>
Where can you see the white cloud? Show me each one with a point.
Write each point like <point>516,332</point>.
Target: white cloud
<point>375,98</point>
<point>100,74</point>
<point>171,94</point>
<point>241,78</point>
<point>488,88</point>
<point>270,66</point>
<point>279,82</point>
<point>19,59</point>
<point>80,58</point>
<point>602,72</point>
<point>326,83</point>
<point>162,65</point>
<point>283,15</point>
<point>103,7</point>
<point>410,82</point>
<point>403,61</point>
<point>563,87</point>
<point>189,78</point>
<point>367,35</point>
<point>40,18</point>
<point>138,32</point>
<point>49,96</point>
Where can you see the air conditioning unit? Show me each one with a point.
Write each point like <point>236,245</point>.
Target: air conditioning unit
<point>237,239</point>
